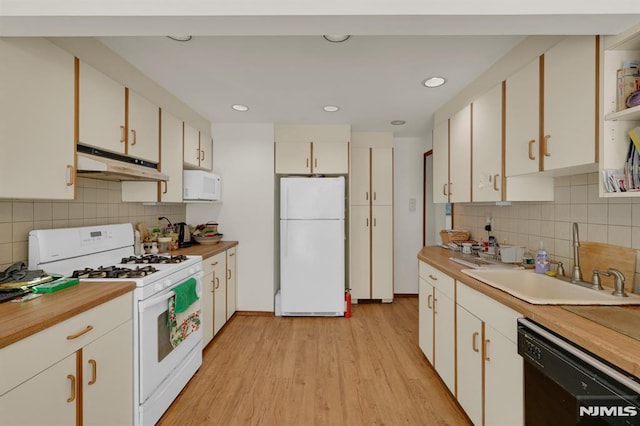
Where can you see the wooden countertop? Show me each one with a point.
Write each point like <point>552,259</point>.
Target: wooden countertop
<point>604,341</point>
<point>20,320</point>
<point>205,250</point>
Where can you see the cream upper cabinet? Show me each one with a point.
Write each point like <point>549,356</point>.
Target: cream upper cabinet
<point>487,146</point>
<point>570,98</point>
<point>101,110</point>
<point>36,120</point>
<point>171,165</point>
<point>522,118</point>
<point>330,157</point>
<point>206,148</point>
<point>232,281</point>
<point>460,156</point>
<point>359,176</point>
<point>382,176</point>
<point>192,154</point>
<point>293,158</point>
<point>441,162</point>
<point>144,128</point>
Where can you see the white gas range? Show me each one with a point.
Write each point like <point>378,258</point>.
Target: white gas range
<point>162,363</point>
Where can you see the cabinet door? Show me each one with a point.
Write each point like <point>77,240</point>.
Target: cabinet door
<point>522,118</point>
<point>36,120</point>
<point>191,154</point>
<point>208,290</point>
<point>206,151</point>
<point>570,103</point>
<point>55,391</point>
<point>293,157</point>
<point>219,263</point>
<point>504,384</point>
<point>441,162</point>
<point>382,176</point>
<point>469,338</point>
<point>460,156</point>
<point>330,157</point>
<point>360,176</point>
<point>382,253</point>
<point>144,128</point>
<point>487,146</point>
<point>425,319</point>
<point>108,378</point>
<point>232,281</point>
<point>171,164</point>
<point>444,347</point>
<point>360,258</point>
<point>102,114</point>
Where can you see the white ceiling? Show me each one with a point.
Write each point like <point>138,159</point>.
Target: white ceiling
<point>276,62</point>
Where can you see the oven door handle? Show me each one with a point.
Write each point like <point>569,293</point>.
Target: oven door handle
<point>159,299</point>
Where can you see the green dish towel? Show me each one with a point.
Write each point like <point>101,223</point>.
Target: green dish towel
<point>185,295</point>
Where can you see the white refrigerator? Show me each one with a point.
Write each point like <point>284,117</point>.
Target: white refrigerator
<point>312,246</point>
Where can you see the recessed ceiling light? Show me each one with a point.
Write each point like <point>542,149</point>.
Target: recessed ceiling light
<point>336,38</point>
<point>434,81</point>
<point>240,107</point>
<point>398,122</point>
<point>330,108</point>
<point>180,38</point>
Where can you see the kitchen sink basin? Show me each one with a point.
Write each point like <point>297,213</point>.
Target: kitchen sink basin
<point>540,289</point>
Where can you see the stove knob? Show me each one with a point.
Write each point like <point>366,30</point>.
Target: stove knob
<point>157,287</point>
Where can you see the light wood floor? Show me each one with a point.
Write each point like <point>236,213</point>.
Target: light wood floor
<point>365,370</point>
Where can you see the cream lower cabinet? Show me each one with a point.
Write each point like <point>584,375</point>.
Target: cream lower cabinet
<point>437,322</point>
<point>214,299</point>
<point>36,120</point>
<point>490,371</point>
<point>232,281</point>
<point>86,359</point>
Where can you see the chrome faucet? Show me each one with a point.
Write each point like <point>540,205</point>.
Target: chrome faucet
<point>618,283</point>
<point>576,274</point>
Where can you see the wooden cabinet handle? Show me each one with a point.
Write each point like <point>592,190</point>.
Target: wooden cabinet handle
<point>367,220</point>
<point>435,300</point>
<point>485,345</point>
<point>474,342</point>
<point>307,166</point>
<point>123,135</point>
<point>214,263</point>
<point>531,156</point>
<point>429,299</point>
<point>71,179</point>
<point>444,189</point>
<point>166,186</point>
<point>228,274</point>
<point>375,222</point>
<point>315,163</point>
<point>217,283</point>
<point>450,191</point>
<point>133,132</point>
<point>366,196</point>
<point>198,155</point>
<point>374,195</point>
<point>201,155</point>
<point>213,283</point>
<point>231,254</point>
<point>72,379</point>
<point>80,333</point>
<point>495,182</point>
<point>94,371</point>
<point>433,278</point>
<point>545,146</point>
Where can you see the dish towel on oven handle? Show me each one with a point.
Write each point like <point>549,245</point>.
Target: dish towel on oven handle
<point>184,313</point>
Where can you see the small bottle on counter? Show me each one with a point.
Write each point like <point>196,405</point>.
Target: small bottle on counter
<point>542,260</point>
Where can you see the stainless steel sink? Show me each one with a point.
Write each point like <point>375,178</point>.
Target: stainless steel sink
<point>540,289</point>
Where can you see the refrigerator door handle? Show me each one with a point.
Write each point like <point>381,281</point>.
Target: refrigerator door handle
<point>285,237</point>
<point>285,202</point>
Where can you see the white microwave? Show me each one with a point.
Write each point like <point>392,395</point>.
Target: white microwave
<point>200,185</point>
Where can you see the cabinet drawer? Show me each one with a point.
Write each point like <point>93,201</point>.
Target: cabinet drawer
<point>29,356</point>
<point>497,315</point>
<point>438,279</point>
<point>213,262</point>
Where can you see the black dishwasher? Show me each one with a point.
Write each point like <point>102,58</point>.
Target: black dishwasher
<point>566,385</point>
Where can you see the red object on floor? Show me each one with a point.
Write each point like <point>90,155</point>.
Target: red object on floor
<point>347,299</point>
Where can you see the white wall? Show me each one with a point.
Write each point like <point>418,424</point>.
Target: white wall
<point>408,159</point>
<point>243,156</point>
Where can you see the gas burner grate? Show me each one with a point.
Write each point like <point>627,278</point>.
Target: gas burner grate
<point>114,272</point>
<point>153,259</point>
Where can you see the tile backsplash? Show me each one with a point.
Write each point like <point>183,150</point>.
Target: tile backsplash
<point>97,203</point>
<point>606,220</point>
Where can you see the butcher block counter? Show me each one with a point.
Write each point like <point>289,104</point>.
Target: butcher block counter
<point>604,330</point>
<point>20,320</point>
<point>205,250</point>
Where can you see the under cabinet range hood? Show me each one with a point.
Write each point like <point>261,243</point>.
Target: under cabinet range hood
<point>105,165</point>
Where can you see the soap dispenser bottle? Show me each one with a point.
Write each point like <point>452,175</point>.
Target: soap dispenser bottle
<point>542,260</point>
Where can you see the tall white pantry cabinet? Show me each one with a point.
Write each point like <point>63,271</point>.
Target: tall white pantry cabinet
<point>371,217</point>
